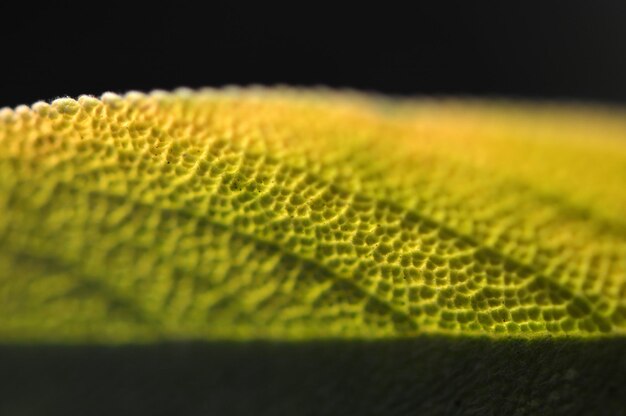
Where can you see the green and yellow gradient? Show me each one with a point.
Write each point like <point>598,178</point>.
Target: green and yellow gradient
<point>282,214</point>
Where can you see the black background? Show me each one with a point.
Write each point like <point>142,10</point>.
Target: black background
<point>554,50</point>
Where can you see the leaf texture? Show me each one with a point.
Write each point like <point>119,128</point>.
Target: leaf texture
<point>292,214</point>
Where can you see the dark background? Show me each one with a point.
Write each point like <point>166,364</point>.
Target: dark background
<point>556,50</point>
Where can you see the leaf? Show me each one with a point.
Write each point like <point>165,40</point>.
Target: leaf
<point>285,214</point>
<point>376,255</point>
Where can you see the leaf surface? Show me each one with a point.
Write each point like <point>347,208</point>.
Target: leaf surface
<point>287,214</point>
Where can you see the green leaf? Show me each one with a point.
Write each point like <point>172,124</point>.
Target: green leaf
<point>284,215</point>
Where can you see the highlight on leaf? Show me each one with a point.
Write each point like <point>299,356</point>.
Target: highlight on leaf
<point>287,214</point>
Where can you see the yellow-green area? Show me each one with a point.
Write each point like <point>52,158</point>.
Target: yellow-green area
<point>290,214</point>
